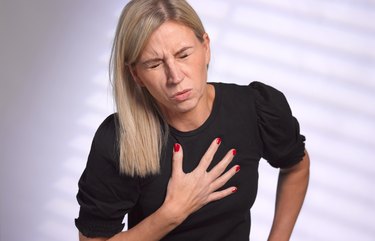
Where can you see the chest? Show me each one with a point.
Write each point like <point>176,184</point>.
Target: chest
<point>238,133</point>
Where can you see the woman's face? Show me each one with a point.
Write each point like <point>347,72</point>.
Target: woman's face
<point>173,67</point>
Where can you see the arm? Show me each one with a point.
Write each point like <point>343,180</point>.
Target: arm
<point>291,191</point>
<point>186,193</point>
<point>154,227</point>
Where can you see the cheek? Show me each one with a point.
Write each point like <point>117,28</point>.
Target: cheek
<point>202,68</point>
<point>198,66</point>
<point>154,88</point>
<point>151,79</point>
<point>157,93</point>
<point>154,84</point>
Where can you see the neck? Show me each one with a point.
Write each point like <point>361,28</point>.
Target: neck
<point>195,118</point>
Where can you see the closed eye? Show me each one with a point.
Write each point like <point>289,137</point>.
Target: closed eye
<point>184,52</point>
<point>152,64</point>
<point>183,55</point>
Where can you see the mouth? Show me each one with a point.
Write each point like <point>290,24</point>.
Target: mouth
<point>182,95</point>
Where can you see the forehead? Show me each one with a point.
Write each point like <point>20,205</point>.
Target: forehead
<point>172,26</point>
<point>170,35</point>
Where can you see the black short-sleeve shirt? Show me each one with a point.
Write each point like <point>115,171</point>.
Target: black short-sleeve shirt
<point>256,120</point>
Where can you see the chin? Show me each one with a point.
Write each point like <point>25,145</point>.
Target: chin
<point>186,106</point>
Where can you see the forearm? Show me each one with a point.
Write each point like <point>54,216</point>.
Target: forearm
<point>152,228</point>
<point>291,191</point>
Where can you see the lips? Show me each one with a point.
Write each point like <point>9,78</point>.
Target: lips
<point>182,95</point>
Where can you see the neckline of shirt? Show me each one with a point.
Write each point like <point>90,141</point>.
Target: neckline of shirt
<point>210,118</point>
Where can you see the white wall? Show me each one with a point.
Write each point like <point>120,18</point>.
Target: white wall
<point>54,93</point>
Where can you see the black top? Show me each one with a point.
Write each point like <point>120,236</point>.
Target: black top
<point>254,119</point>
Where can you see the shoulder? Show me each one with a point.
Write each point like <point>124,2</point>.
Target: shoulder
<point>231,87</point>
<point>107,129</point>
<point>232,91</point>
<point>262,88</point>
<point>109,123</point>
<point>265,92</point>
<point>105,138</point>
<point>254,92</point>
<point>253,87</point>
<point>269,99</point>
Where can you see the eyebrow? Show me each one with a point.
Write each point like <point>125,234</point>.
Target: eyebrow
<point>152,60</point>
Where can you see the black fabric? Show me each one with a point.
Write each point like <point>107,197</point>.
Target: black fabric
<point>254,119</point>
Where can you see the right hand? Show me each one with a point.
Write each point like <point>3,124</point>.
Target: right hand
<point>188,192</point>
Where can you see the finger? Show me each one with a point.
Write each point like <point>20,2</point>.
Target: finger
<point>177,158</point>
<point>221,194</point>
<point>222,165</point>
<point>220,181</point>
<point>208,156</point>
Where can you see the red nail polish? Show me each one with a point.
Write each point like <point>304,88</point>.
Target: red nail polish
<point>234,152</point>
<point>238,168</point>
<point>234,190</point>
<point>176,147</point>
<point>218,140</point>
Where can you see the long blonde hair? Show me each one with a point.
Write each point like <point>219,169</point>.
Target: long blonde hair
<point>142,130</point>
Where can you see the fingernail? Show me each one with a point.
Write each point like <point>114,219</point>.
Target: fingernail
<point>238,168</point>
<point>234,152</point>
<point>234,190</point>
<point>218,140</point>
<point>176,147</point>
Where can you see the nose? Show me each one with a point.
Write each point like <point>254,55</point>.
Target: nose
<point>174,72</point>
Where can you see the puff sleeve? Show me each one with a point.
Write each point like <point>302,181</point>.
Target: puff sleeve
<point>104,195</point>
<point>282,143</point>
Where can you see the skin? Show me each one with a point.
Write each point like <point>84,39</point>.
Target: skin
<point>173,67</point>
<point>291,191</point>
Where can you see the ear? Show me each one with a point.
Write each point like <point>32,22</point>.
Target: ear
<point>206,45</point>
<point>133,72</point>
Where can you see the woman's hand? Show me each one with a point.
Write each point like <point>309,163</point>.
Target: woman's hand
<point>188,192</point>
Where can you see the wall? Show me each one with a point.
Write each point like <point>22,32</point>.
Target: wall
<point>54,92</point>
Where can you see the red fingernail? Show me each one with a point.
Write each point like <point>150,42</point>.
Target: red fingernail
<point>176,147</point>
<point>218,140</point>
<point>238,168</point>
<point>234,190</point>
<point>234,152</point>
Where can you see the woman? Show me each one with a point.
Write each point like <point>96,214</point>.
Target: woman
<point>171,155</point>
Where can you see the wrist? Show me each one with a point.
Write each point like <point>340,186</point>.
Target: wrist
<point>280,236</point>
<point>172,213</point>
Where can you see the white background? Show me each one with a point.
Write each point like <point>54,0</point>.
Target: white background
<point>54,92</point>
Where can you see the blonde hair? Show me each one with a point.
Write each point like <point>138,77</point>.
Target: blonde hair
<point>142,130</point>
